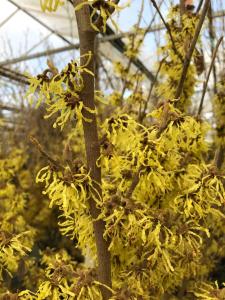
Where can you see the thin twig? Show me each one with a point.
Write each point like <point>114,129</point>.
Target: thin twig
<point>147,29</point>
<point>9,108</point>
<point>45,154</point>
<point>142,116</point>
<point>106,73</point>
<point>132,46</point>
<point>134,183</point>
<point>168,30</point>
<point>199,6</point>
<point>205,84</point>
<point>219,157</point>
<point>191,50</point>
<point>212,38</point>
<point>182,8</point>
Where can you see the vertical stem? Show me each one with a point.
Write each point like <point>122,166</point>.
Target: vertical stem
<point>87,44</point>
<point>212,39</point>
<point>182,8</point>
<point>205,84</point>
<point>219,157</point>
<point>97,65</point>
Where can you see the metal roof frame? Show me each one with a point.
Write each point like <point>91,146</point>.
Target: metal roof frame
<point>110,36</point>
<point>40,22</point>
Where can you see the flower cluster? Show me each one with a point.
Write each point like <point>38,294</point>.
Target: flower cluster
<point>70,191</point>
<point>61,92</point>
<point>218,103</point>
<point>16,236</point>
<point>157,216</point>
<point>50,5</point>
<point>159,199</point>
<point>174,52</point>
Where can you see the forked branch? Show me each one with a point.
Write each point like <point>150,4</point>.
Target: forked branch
<point>205,84</point>
<point>168,30</point>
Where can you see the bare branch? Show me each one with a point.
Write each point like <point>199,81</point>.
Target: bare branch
<point>9,108</point>
<point>212,39</point>
<point>205,84</point>
<point>199,6</point>
<point>36,143</point>
<point>219,157</point>
<point>168,30</point>
<point>132,45</point>
<point>142,116</point>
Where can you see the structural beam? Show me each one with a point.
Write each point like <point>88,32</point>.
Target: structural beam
<point>9,17</point>
<point>120,46</point>
<point>40,22</point>
<point>13,75</point>
<point>38,55</point>
<point>109,36</point>
<point>9,108</point>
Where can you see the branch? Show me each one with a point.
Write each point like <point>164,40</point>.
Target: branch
<point>182,7</point>
<point>199,6</point>
<point>106,73</point>
<point>205,84</point>
<point>9,108</point>
<point>212,38</point>
<point>134,183</point>
<point>132,60</point>
<point>219,157</point>
<point>142,116</point>
<point>191,50</point>
<point>132,46</point>
<point>168,30</point>
<point>55,163</point>
<point>92,147</point>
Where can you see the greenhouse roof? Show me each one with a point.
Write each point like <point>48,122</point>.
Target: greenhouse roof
<point>28,36</point>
